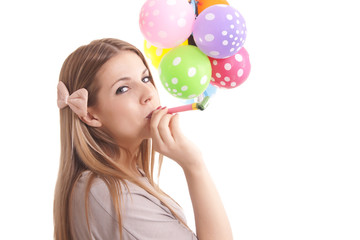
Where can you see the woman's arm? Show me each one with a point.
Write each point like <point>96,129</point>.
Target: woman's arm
<point>210,216</point>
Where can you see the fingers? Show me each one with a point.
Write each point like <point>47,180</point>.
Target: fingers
<point>155,120</point>
<point>175,127</point>
<point>165,131</point>
<point>160,127</point>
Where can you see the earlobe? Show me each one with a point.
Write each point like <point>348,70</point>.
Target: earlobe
<point>91,120</point>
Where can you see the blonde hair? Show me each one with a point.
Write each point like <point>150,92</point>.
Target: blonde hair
<point>88,148</point>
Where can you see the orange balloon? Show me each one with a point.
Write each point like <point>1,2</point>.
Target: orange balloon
<point>203,4</point>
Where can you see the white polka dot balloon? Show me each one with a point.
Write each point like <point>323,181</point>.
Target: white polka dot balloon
<point>219,31</point>
<point>232,71</point>
<point>166,23</point>
<point>185,72</point>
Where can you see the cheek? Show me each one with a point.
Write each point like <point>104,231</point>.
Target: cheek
<point>156,97</point>
<point>120,120</point>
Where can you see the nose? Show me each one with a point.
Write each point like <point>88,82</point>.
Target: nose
<point>147,100</point>
<point>147,96</point>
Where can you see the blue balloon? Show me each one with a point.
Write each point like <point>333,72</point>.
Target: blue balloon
<point>189,101</point>
<point>194,5</point>
<point>210,90</point>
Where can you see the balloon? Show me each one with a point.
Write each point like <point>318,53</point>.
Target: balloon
<point>166,23</point>
<point>230,72</point>
<point>156,54</point>
<point>185,72</point>
<point>194,6</point>
<point>210,90</point>
<point>190,101</point>
<point>219,31</point>
<point>203,4</point>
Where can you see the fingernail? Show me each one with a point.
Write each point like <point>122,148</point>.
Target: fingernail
<point>163,108</point>
<point>158,107</point>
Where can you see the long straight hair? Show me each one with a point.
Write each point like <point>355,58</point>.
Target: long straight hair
<point>88,148</point>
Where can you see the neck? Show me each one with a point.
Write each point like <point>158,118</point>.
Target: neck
<point>129,158</point>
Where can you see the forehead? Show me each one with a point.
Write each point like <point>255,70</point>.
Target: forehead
<point>123,64</point>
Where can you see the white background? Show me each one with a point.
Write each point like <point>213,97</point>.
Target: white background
<point>283,148</point>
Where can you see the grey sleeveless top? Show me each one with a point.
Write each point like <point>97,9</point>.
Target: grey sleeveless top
<point>143,216</point>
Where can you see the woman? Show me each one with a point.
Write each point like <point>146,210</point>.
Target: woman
<point>105,187</point>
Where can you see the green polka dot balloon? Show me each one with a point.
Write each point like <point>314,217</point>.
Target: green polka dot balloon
<point>185,72</point>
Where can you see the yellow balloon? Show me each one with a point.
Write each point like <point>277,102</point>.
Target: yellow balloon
<point>155,54</point>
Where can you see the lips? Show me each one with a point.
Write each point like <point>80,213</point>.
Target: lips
<point>150,114</point>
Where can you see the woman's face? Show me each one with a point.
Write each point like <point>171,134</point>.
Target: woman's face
<point>126,96</point>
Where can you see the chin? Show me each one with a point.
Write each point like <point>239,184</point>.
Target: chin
<point>146,132</point>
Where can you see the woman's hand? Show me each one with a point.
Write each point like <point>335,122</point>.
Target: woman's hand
<point>210,216</point>
<point>169,140</point>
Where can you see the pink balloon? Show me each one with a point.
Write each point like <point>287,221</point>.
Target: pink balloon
<point>230,72</point>
<point>166,23</point>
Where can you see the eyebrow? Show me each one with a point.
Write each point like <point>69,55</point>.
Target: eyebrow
<point>127,78</point>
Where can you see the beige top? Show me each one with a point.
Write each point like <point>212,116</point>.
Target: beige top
<point>143,216</point>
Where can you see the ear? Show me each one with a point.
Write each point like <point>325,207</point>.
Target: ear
<point>91,120</point>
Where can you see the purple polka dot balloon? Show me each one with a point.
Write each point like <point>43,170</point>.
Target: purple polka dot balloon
<point>219,31</point>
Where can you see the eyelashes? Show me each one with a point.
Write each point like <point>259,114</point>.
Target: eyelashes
<point>124,89</point>
<point>147,79</point>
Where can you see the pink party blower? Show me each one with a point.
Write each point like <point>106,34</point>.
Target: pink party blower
<point>194,106</point>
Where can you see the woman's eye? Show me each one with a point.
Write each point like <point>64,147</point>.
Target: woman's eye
<point>146,79</point>
<point>121,90</point>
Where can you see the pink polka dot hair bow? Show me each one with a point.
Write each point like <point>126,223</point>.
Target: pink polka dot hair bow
<point>77,101</point>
